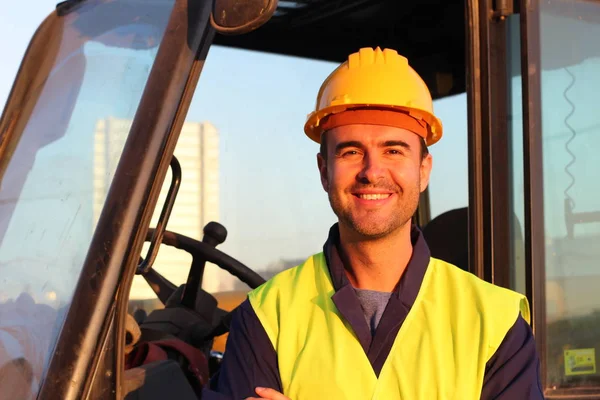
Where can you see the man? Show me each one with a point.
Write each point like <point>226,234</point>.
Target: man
<point>374,316</point>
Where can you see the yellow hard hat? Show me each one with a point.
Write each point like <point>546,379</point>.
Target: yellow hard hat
<point>379,80</point>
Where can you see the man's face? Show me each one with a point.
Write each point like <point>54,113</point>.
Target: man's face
<point>373,176</point>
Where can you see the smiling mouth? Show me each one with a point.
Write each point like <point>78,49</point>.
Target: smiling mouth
<point>372,196</point>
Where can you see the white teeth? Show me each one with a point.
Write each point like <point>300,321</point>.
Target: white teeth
<point>377,196</point>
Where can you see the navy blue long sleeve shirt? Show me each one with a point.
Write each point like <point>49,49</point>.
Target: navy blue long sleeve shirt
<point>250,359</point>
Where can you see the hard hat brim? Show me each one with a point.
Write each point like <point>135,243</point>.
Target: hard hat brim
<point>313,128</point>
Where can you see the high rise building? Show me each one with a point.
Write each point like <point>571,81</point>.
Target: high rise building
<point>197,201</point>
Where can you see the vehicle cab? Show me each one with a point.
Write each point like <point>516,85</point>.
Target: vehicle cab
<point>153,170</point>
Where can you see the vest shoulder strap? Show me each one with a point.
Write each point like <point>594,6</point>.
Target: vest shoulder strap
<point>497,307</point>
<point>293,286</point>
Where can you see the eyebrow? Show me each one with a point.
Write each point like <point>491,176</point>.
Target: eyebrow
<point>343,145</point>
<point>388,143</point>
<point>400,143</point>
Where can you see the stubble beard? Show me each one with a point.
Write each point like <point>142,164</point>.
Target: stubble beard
<point>374,228</point>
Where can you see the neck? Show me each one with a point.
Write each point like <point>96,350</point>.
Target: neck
<point>375,264</point>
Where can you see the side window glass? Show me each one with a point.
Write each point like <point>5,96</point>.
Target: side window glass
<point>449,181</point>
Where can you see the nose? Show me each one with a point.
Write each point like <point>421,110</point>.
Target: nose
<point>372,170</point>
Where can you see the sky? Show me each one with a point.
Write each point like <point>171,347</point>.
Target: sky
<point>271,199</point>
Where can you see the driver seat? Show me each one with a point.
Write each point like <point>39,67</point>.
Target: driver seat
<point>447,236</point>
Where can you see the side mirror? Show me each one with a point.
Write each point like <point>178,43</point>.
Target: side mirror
<point>236,17</point>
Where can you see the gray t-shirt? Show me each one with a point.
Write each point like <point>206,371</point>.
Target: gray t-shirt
<point>373,304</point>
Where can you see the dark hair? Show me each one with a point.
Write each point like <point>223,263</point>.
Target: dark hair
<point>323,148</point>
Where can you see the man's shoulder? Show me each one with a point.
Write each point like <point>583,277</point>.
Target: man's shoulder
<point>290,273</point>
<point>496,308</point>
<point>485,294</point>
<point>271,300</point>
<point>468,279</point>
<point>285,281</point>
<point>492,308</point>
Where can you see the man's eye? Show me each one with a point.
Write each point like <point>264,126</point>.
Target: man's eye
<point>349,153</point>
<point>393,151</point>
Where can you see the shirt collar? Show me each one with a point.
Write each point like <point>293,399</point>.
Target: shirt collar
<point>411,280</point>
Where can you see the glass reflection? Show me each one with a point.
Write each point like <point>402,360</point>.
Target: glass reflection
<point>54,184</point>
<point>571,141</point>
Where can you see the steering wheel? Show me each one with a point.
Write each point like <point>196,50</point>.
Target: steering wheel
<point>191,314</point>
<point>201,252</point>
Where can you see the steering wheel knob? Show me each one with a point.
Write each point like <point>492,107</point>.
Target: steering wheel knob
<point>214,234</point>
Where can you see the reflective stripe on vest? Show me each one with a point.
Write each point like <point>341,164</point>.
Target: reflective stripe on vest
<point>455,325</point>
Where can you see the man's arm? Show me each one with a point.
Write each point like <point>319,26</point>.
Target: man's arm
<point>250,361</point>
<point>513,371</point>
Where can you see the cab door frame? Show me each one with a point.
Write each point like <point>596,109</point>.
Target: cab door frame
<point>490,198</point>
<point>491,212</point>
<point>533,171</point>
<point>487,88</point>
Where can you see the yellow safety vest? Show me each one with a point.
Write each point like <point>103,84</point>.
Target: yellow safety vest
<point>455,325</point>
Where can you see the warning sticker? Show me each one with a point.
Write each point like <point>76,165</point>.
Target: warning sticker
<point>580,362</point>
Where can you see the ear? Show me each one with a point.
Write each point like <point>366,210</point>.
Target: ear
<point>322,164</point>
<point>425,171</point>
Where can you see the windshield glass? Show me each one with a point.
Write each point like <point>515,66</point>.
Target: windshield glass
<point>83,74</point>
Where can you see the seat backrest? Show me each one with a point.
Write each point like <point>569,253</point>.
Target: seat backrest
<point>447,236</point>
